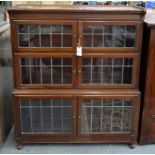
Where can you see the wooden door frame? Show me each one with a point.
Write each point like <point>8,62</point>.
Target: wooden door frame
<point>15,24</point>
<point>137,47</point>
<point>135,73</point>
<point>17,79</point>
<point>17,117</point>
<point>129,137</point>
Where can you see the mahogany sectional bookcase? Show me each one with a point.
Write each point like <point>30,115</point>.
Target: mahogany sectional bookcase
<point>76,73</point>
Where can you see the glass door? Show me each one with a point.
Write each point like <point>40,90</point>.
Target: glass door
<point>45,36</point>
<point>46,115</point>
<point>103,115</point>
<point>108,71</point>
<point>45,70</point>
<point>108,36</point>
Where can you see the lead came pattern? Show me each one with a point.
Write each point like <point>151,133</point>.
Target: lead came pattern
<point>44,71</point>
<point>51,36</point>
<point>106,71</point>
<point>46,116</point>
<point>107,115</point>
<point>109,36</point>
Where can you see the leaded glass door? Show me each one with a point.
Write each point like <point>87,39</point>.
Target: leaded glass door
<point>106,115</point>
<point>45,70</point>
<point>45,36</point>
<point>108,70</point>
<point>109,36</point>
<point>46,115</point>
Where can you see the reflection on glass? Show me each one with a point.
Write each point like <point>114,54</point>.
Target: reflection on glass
<point>41,116</point>
<point>130,41</point>
<point>24,40</point>
<point>45,29</point>
<point>130,29</point>
<point>87,29</point>
<point>117,117</point>
<point>34,40</point>
<point>106,115</point>
<point>53,71</point>
<point>36,119</point>
<point>106,119</point>
<point>119,41</point>
<point>127,120</point>
<point>108,41</point>
<point>108,29</point>
<point>34,28</point>
<point>98,41</point>
<point>119,29</point>
<point>101,36</point>
<point>23,29</point>
<point>104,71</point>
<point>26,123</point>
<point>56,28</point>
<point>45,35</point>
<point>46,115</point>
<point>67,29</point>
<point>96,125</point>
<point>98,29</point>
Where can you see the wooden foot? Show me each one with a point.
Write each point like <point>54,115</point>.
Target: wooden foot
<point>132,146</point>
<point>19,146</point>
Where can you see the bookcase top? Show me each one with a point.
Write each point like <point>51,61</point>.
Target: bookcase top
<point>75,8</point>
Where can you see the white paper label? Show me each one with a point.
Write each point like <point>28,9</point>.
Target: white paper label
<point>79,51</point>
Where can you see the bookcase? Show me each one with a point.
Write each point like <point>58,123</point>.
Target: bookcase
<point>76,73</point>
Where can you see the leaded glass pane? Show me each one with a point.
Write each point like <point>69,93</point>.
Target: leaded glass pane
<point>23,28</point>
<point>109,36</point>
<point>45,40</point>
<point>46,116</point>
<point>45,35</point>
<point>24,40</point>
<point>107,71</point>
<point>53,71</point>
<point>106,116</point>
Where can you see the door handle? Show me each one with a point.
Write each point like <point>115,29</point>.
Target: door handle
<point>79,71</point>
<point>153,116</point>
<point>74,71</point>
<point>79,38</point>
